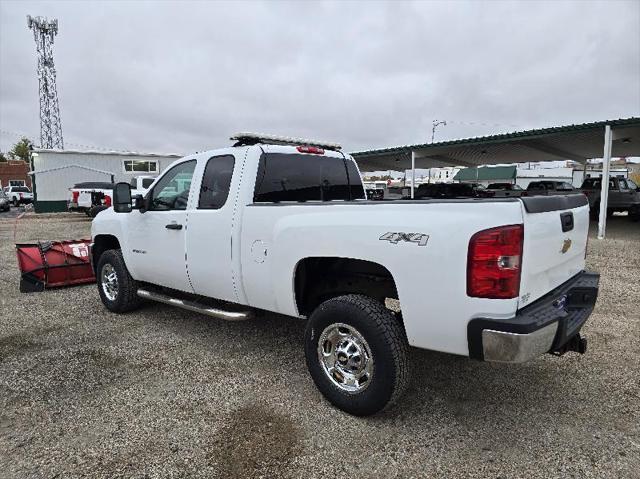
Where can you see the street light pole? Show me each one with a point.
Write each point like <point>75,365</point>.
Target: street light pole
<point>436,123</point>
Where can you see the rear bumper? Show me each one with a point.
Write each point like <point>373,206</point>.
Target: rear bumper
<point>547,325</point>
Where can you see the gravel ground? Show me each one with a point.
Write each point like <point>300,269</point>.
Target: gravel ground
<point>167,393</point>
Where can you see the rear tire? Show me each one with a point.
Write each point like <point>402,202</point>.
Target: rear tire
<point>118,290</point>
<point>634,214</point>
<point>356,352</point>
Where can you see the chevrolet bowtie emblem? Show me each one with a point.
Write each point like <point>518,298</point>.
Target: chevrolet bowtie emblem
<point>566,245</point>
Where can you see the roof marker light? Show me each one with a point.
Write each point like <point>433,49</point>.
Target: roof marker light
<point>314,150</point>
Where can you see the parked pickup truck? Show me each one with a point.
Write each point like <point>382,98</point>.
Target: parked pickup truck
<point>624,195</point>
<point>501,190</point>
<point>548,187</point>
<point>93,197</point>
<point>19,195</point>
<point>281,225</point>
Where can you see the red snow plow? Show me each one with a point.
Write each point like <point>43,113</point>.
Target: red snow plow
<point>53,264</point>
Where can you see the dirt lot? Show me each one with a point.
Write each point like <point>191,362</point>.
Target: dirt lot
<point>168,393</point>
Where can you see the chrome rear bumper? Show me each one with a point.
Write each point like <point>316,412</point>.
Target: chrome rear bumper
<point>549,325</point>
<point>504,347</point>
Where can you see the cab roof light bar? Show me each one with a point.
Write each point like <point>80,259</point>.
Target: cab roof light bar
<point>246,138</point>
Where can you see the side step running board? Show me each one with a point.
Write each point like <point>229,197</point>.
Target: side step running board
<point>197,307</point>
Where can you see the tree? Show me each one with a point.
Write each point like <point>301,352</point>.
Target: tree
<point>2,157</point>
<point>21,150</point>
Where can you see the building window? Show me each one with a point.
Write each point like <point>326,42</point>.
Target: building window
<point>17,183</point>
<point>140,166</point>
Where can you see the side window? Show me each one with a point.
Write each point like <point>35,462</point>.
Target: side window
<point>172,190</point>
<point>623,184</point>
<point>291,177</point>
<point>216,182</point>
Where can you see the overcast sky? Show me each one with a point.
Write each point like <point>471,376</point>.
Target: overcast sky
<point>181,77</point>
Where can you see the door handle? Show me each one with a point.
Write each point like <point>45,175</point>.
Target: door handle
<point>173,226</point>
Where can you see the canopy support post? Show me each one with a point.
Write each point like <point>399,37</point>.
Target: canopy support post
<point>604,183</point>
<point>413,172</point>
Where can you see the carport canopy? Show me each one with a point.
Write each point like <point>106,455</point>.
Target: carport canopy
<point>580,143</point>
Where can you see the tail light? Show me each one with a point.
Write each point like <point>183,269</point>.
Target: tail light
<point>314,150</point>
<point>107,200</point>
<point>74,196</point>
<point>21,195</point>
<point>494,263</point>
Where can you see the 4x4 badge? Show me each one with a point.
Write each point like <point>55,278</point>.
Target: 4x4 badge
<point>394,238</point>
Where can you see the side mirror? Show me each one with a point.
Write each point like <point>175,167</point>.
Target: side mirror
<point>122,198</point>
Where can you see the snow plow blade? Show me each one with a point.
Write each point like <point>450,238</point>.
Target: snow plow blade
<point>54,264</point>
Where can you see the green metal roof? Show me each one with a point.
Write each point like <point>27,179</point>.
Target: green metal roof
<point>490,173</point>
<point>521,135</point>
<point>577,143</point>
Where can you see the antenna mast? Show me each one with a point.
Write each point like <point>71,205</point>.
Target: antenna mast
<point>44,32</point>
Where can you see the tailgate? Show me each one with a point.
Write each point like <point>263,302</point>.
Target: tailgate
<point>84,199</point>
<point>555,239</point>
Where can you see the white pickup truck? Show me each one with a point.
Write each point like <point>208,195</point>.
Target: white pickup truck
<point>275,224</point>
<point>19,195</point>
<point>93,197</point>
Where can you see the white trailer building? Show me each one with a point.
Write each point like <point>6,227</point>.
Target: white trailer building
<point>53,172</point>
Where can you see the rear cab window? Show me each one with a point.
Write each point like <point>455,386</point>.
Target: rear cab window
<point>216,182</point>
<point>303,177</point>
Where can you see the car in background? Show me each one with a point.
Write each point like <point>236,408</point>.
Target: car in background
<point>502,190</point>
<point>548,187</point>
<point>5,203</point>
<point>375,193</point>
<point>396,192</point>
<point>624,195</point>
<point>447,190</point>
<point>19,195</point>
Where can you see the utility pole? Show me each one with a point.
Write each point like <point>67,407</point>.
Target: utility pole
<point>436,123</point>
<point>44,32</point>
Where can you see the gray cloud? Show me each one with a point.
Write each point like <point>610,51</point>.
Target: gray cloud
<point>180,77</point>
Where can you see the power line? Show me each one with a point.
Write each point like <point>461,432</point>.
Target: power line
<point>79,145</point>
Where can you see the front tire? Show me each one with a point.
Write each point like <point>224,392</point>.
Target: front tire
<point>356,352</point>
<point>118,290</point>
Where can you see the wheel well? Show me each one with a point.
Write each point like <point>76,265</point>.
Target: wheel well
<point>102,243</point>
<point>319,279</point>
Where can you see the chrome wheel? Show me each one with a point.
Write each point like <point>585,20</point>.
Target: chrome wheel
<point>109,282</point>
<point>345,357</point>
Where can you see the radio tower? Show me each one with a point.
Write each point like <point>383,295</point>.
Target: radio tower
<point>44,32</point>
